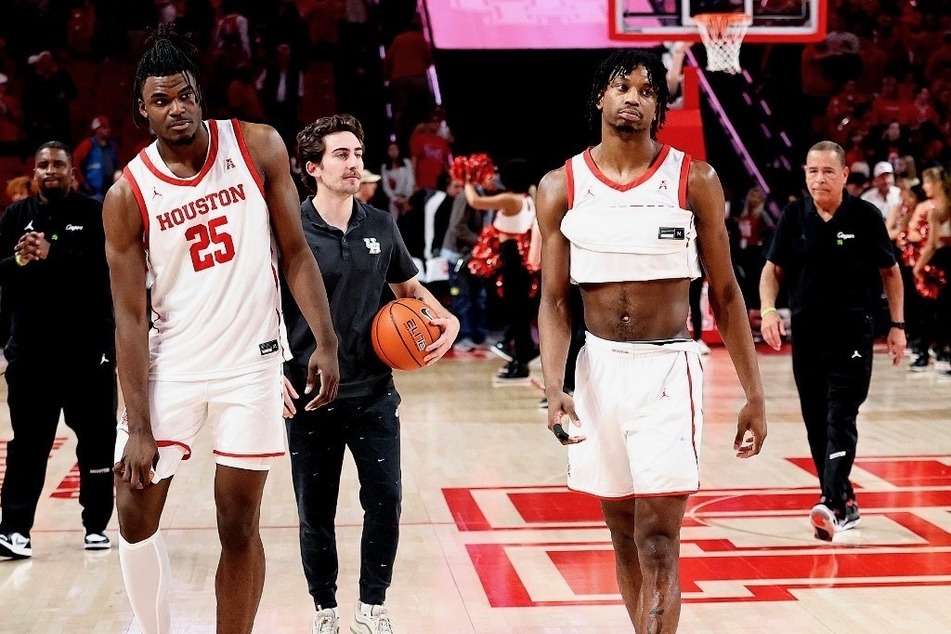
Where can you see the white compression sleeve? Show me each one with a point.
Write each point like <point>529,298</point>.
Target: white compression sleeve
<point>146,572</point>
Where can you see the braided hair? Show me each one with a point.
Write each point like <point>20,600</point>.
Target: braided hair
<point>169,54</point>
<point>619,63</point>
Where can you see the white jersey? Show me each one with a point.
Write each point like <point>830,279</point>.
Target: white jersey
<point>211,255</point>
<point>630,232</point>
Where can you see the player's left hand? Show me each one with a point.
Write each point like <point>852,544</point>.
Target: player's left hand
<point>896,345</point>
<point>450,330</point>
<point>750,430</point>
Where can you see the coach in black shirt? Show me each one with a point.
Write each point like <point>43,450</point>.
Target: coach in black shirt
<point>359,252</point>
<point>61,350</point>
<point>830,248</point>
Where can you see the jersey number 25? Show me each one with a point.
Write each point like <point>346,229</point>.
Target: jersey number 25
<point>202,236</point>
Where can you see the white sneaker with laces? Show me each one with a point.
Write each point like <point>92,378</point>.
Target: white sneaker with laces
<point>327,622</point>
<point>15,546</point>
<point>376,622</point>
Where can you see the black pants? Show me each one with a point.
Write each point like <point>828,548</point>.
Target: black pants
<point>516,285</point>
<point>832,365</point>
<point>37,392</point>
<point>370,427</point>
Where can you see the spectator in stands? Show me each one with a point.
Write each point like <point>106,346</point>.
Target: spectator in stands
<point>842,106</point>
<point>468,291</point>
<point>405,67</point>
<point>244,103</point>
<point>287,25</point>
<point>20,188</point>
<point>232,29</point>
<point>399,183</point>
<point>888,105</point>
<point>883,193</point>
<point>282,86</point>
<point>97,160</point>
<point>323,26</point>
<point>424,226</point>
<point>856,183</point>
<point>368,184</point>
<point>429,152</point>
<point>47,91</point>
<point>841,60</point>
<point>921,108</point>
<point>940,58</point>
<point>894,142</point>
<point>11,118</point>
<point>751,231</point>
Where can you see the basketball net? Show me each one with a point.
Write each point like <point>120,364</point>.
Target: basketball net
<point>722,35</point>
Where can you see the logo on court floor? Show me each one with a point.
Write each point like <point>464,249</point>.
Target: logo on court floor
<point>547,546</point>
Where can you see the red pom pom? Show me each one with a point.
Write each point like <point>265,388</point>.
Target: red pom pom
<point>459,170</point>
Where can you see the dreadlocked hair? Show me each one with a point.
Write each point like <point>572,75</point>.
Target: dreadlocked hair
<point>168,54</point>
<point>619,63</point>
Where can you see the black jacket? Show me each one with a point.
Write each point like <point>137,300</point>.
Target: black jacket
<point>61,305</point>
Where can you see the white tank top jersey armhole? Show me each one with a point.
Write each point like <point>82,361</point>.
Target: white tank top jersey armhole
<point>630,232</point>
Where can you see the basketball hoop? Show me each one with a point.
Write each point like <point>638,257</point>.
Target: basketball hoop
<point>722,35</point>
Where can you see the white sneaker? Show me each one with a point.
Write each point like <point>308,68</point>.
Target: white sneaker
<point>15,546</point>
<point>97,541</point>
<point>464,345</point>
<point>377,622</point>
<point>327,622</point>
<point>823,522</point>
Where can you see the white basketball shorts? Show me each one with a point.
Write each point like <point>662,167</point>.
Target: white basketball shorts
<point>244,412</point>
<point>640,408</point>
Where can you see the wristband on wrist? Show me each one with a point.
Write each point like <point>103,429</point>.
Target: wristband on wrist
<point>897,324</point>
<point>20,260</point>
<point>767,311</point>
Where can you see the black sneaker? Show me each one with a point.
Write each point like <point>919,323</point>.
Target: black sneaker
<point>15,546</point>
<point>920,364</point>
<point>97,541</point>
<point>503,349</point>
<point>851,518</point>
<point>513,370</point>
<point>824,522</point>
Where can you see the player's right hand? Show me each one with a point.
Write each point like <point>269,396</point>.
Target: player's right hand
<point>137,465</point>
<point>560,405</point>
<point>773,330</point>
<point>322,362</point>
<point>289,395</point>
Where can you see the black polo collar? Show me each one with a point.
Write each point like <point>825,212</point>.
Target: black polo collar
<point>357,215</point>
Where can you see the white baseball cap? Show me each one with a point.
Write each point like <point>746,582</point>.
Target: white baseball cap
<point>883,167</point>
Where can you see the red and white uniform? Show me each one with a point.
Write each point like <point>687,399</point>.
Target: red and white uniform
<point>218,338</point>
<point>630,232</point>
<point>640,404</point>
<point>216,305</point>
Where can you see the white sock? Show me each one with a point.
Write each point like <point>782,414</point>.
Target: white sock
<point>146,572</point>
<point>366,609</point>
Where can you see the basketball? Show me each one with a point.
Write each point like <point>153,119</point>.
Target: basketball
<point>401,331</point>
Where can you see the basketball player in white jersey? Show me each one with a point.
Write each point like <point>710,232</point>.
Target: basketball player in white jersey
<point>626,220</point>
<point>203,210</point>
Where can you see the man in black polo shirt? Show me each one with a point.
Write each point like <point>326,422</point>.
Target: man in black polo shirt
<point>61,349</point>
<point>360,252</point>
<point>830,248</point>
